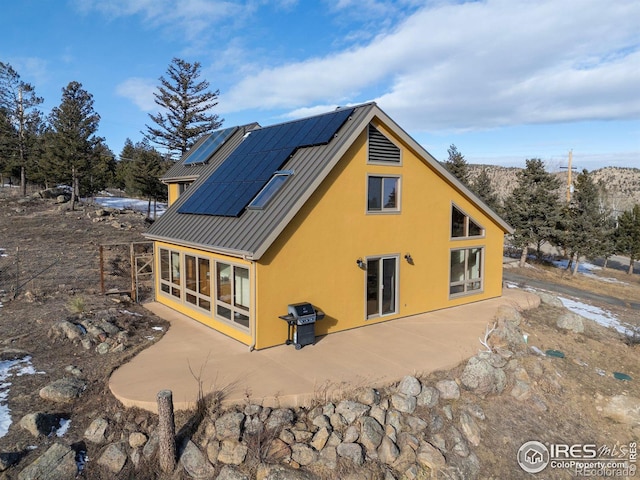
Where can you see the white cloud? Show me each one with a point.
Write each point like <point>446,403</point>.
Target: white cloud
<point>139,91</point>
<point>473,66</point>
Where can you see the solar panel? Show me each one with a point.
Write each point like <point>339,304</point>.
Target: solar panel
<point>207,148</point>
<point>231,187</point>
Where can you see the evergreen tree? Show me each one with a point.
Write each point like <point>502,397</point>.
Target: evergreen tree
<point>583,223</point>
<point>457,165</point>
<point>483,187</point>
<point>627,236</point>
<point>533,208</point>
<point>123,166</point>
<point>73,149</point>
<point>186,103</point>
<point>18,102</point>
<point>146,169</point>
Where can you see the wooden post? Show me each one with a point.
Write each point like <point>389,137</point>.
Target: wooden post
<point>102,269</point>
<point>166,431</point>
<point>133,272</point>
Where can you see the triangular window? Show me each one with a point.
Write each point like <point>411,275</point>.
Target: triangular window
<point>463,226</point>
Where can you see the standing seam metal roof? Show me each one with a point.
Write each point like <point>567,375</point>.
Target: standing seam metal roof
<point>253,232</point>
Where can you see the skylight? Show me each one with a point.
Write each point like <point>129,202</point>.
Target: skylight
<point>270,189</point>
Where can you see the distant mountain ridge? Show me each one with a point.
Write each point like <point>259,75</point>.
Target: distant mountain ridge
<point>622,184</point>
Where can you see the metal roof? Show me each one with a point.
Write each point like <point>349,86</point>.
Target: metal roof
<point>253,232</point>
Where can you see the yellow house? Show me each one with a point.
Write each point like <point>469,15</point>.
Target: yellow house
<point>343,210</point>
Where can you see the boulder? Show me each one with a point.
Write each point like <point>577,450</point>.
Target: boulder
<point>57,463</point>
<point>303,454</point>
<point>428,397</point>
<point>229,425</point>
<point>195,462</point>
<point>320,438</point>
<point>63,390</point>
<point>230,473</point>
<point>137,439</point>
<point>388,451</point>
<point>410,386</point>
<point>508,313</point>
<point>351,410</point>
<point>470,429</point>
<point>448,389</point>
<point>8,459</point>
<point>278,450</point>
<point>97,431</point>
<point>280,472</point>
<point>623,409</point>
<point>40,424</point>
<point>371,433</point>
<point>280,417</point>
<point>403,403</point>
<point>430,457</point>
<point>113,458</point>
<point>481,377</point>
<point>549,299</point>
<point>570,321</point>
<point>232,452</point>
<point>369,396</point>
<point>352,452</point>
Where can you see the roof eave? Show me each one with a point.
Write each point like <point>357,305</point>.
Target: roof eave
<point>245,255</point>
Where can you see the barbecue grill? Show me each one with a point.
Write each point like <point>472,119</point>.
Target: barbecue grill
<point>301,320</point>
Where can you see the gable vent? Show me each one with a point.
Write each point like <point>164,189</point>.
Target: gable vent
<point>381,149</point>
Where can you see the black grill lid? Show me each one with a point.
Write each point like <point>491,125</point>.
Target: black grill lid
<point>303,309</point>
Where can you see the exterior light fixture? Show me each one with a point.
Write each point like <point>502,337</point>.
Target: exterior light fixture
<point>361,263</point>
<point>408,258</point>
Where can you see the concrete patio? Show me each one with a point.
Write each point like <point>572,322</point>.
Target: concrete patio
<point>191,354</point>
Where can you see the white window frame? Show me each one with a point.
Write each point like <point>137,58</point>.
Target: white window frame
<point>467,282</point>
<point>385,210</point>
<point>170,287</point>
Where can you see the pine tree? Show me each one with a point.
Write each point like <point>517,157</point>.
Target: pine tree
<point>18,102</point>
<point>483,187</point>
<point>627,236</point>
<point>73,149</point>
<point>583,222</point>
<point>123,166</point>
<point>186,103</point>
<point>533,208</point>
<point>457,165</point>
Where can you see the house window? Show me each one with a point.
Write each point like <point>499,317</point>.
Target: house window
<point>383,194</point>
<point>466,271</point>
<point>382,278</point>
<point>232,294</point>
<point>463,226</point>
<point>197,281</point>
<point>381,149</point>
<point>182,187</point>
<point>170,272</point>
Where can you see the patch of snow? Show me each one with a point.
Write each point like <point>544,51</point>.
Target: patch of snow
<point>81,460</point>
<point>122,203</point>
<point>160,329</point>
<point>127,312</point>
<point>150,337</point>
<point>65,423</point>
<point>9,368</point>
<point>597,314</point>
<point>587,268</point>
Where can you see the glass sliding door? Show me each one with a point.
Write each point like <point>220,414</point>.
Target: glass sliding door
<point>382,284</point>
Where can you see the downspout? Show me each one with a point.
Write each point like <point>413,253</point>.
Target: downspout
<point>254,295</point>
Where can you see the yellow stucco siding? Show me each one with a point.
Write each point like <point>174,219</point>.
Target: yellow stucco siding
<point>173,192</point>
<point>314,259</point>
<point>207,317</point>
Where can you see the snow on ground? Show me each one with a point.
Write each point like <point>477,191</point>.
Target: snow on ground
<point>597,314</point>
<point>122,203</point>
<point>65,423</point>
<point>9,368</point>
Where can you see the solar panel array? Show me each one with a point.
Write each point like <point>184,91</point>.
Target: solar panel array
<point>251,165</point>
<point>207,148</point>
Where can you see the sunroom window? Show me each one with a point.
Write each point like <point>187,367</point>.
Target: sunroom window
<point>232,294</point>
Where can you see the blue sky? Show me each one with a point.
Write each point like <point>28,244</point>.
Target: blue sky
<point>503,80</point>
